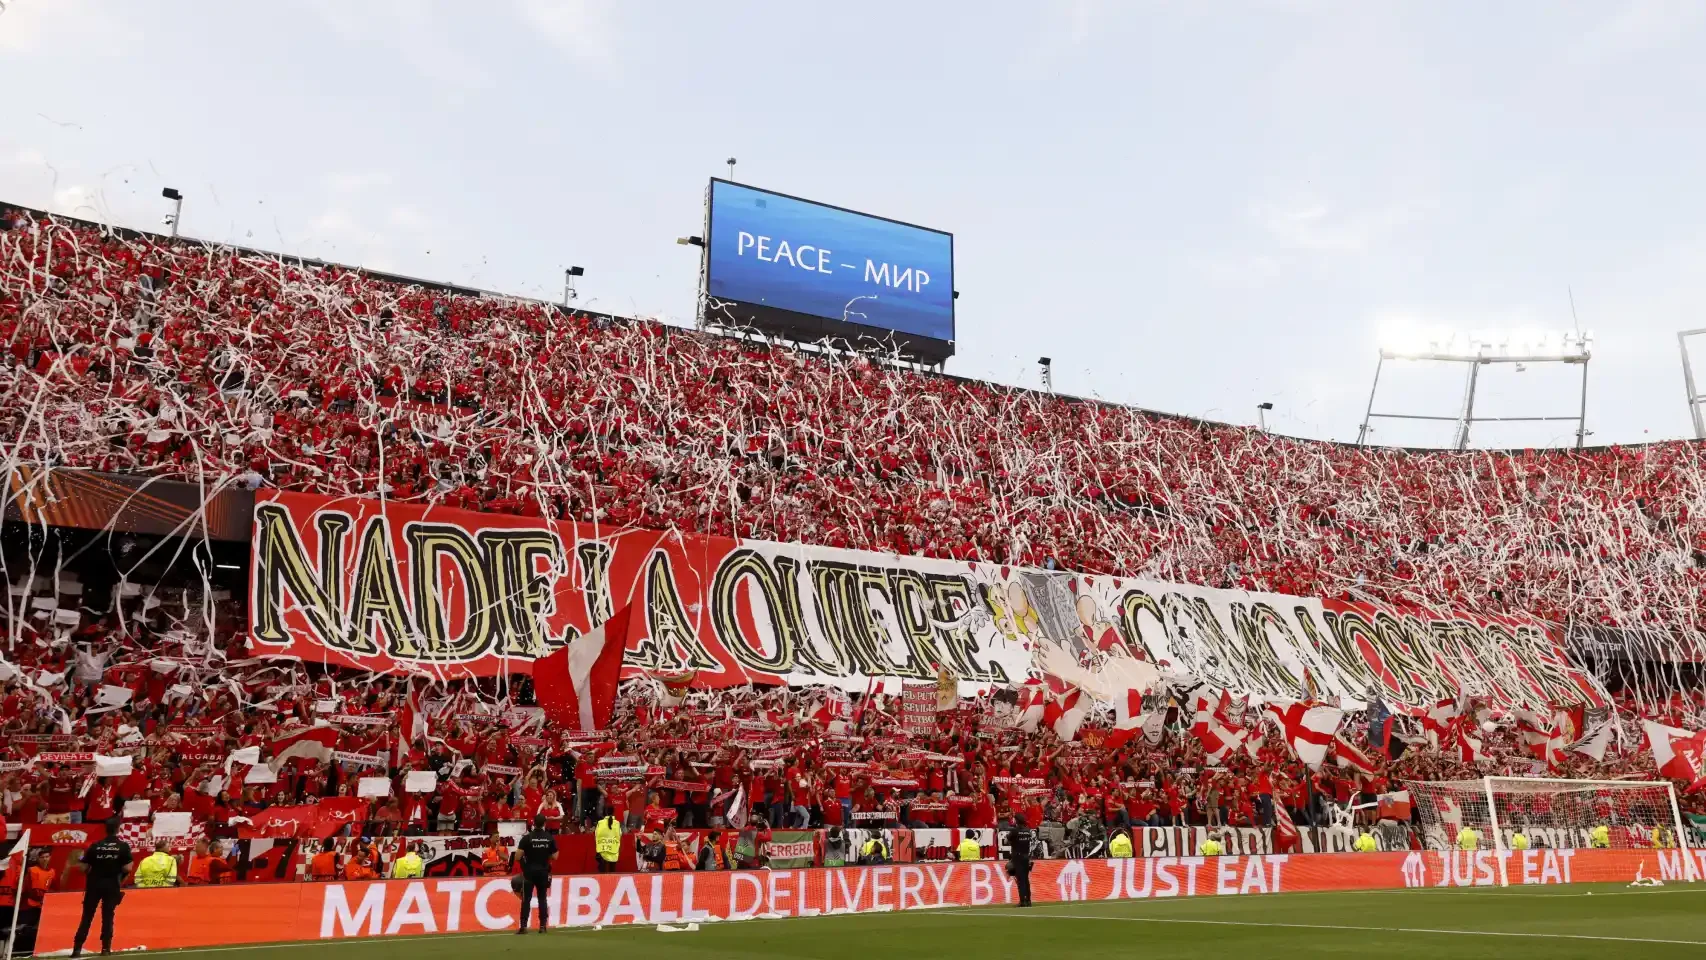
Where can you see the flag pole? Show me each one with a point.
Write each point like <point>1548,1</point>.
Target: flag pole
<point>23,849</point>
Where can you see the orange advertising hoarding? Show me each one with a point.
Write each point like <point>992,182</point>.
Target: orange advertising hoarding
<point>261,913</point>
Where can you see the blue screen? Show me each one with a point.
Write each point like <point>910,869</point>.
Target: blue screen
<point>789,254</point>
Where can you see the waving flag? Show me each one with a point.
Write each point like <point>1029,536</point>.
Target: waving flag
<point>1594,743</point>
<point>1309,729</point>
<point>1346,755</point>
<point>1468,747</point>
<point>1439,720</point>
<point>1219,736</point>
<point>1065,714</point>
<point>1128,719</point>
<point>576,685</point>
<point>1543,736</point>
<point>308,743</point>
<point>1677,752</point>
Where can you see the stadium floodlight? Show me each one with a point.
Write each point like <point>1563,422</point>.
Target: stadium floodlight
<point>1478,348</point>
<point>1694,397</point>
<point>171,219</point>
<point>1262,414</point>
<point>731,163</point>
<point>569,291</point>
<point>691,241</point>
<point>1048,373</point>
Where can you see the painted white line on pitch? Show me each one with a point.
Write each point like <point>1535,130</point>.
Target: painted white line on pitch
<point>1327,926</point>
<point>555,931</point>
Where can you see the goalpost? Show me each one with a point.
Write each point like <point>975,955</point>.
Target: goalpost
<point>1559,814</point>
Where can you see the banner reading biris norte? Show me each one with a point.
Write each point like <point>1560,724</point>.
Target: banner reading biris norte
<point>264,913</point>
<point>403,588</point>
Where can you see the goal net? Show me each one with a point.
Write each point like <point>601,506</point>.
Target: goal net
<point>1548,813</point>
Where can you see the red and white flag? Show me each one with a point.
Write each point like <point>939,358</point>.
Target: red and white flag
<point>1032,698</point>
<point>832,708</point>
<point>1065,713</point>
<point>308,743</point>
<point>1542,735</point>
<point>1439,720</point>
<point>1676,752</point>
<point>1128,719</point>
<point>1286,837</point>
<point>1468,748</point>
<point>1213,727</point>
<point>1349,756</point>
<point>576,684</point>
<point>1309,729</point>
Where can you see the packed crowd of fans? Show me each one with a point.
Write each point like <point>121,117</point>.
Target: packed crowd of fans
<point>132,354</point>
<point>188,708</point>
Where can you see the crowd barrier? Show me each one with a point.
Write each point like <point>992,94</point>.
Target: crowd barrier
<point>227,915</point>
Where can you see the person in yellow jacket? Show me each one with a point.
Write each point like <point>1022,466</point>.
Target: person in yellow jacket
<point>607,840</point>
<point>970,850</point>
<point>158,869</point>
<point>1468,839</point>
<point>1210,847</point>
<point>1365,843</point>
<point>1119,846</point>
<point>409,866</point>
<point>1519,841</point>
<point>1600,837</point>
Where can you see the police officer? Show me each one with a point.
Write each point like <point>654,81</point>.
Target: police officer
<point>537,847</point>
<point>1019,860</point>
<point>105,861</point>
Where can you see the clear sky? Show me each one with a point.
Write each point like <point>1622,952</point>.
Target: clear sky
<point>1192,206</point>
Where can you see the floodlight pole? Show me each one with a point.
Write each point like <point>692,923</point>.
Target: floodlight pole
<point>1694,397</point>
<point>1368,413</point>
<point>1582,411</point>
<point>1468,406</point>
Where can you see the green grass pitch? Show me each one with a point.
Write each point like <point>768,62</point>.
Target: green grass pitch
<point>1604,922</point>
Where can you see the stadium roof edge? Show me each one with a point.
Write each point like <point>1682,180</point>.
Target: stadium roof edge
<point>460,290</point>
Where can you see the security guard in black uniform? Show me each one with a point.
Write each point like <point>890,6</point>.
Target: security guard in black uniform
<point>1019,861</point>
<point>537,847</point>
<point>105,861</point>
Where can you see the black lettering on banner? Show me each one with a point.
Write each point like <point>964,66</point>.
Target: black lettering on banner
<point>429,544</point>
<point>1542,657</point>
<point>1454,655</point>
<point>951,598</point>
<point>1521,689</point>
<point>1355,673</point>
<point>1353,630</point>
<point>765,596</point>
<point>1131,605</point>
<point>281,563</point>
<point>807,657</point>
<point>909,595</point>
<point>1497,676</point>
<point>376,594</point>
<point>671,643</point>
<point>844,618</point>
<point>522,591</point>
<point>875,579</point>
<point>1253,621</point>
<point>594,559</point>
<point>1409,654</point>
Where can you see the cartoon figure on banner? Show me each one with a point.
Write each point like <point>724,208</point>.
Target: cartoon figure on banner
<point>1015,619</point>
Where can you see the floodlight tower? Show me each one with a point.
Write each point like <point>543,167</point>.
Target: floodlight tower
<point>1694,397</point>
<point>1480,348</point>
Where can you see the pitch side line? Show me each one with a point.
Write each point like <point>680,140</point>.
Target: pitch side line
<point>1328,926</point>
